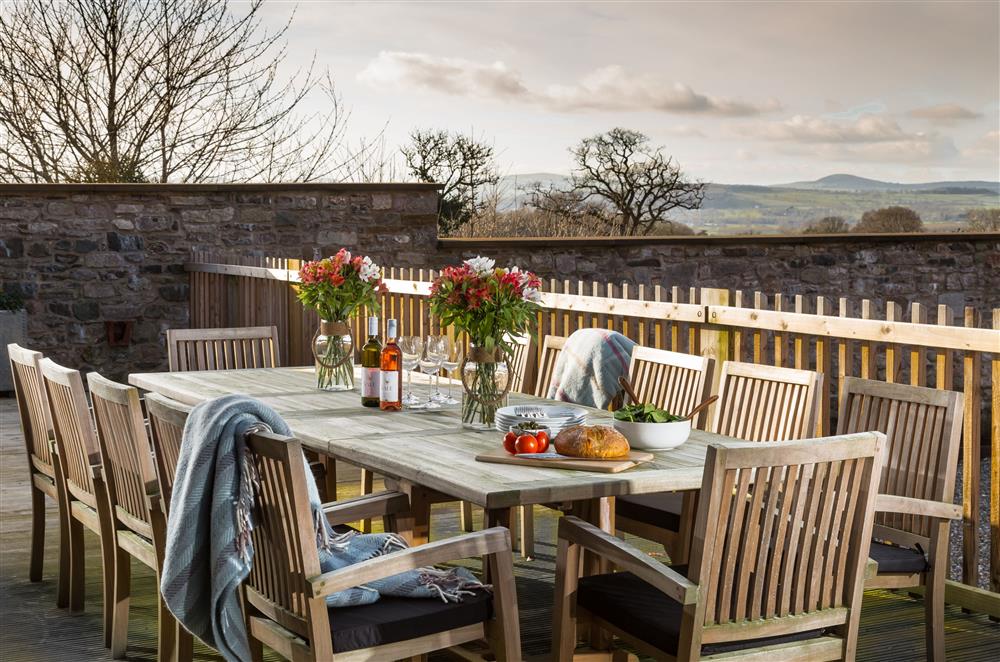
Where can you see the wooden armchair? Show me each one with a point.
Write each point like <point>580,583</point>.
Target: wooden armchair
<point>222,349</point>
<point>166,428</point>
<point>552,346</point>
<point>675,382</point>
<point>671,380</point>
<point>46,475</point>
<point>917,490</point>
<point>519,361</point>
<point>85,494</point>
<point>764,581</point>
<point>756,403</point>
<point>285,592</point>
<point>139,523</point>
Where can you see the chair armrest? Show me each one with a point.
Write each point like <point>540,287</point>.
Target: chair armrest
<point>365,507</point>
<point>670,582</point>
<point>890,503</point>
<point>480,543</point>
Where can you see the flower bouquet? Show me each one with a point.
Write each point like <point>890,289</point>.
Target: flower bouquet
<point>490,305</point>
<point>336,287</point>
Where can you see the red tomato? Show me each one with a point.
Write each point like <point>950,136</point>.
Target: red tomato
<point>543,440</point>
<point>526,443</point>
<point>508,442</point>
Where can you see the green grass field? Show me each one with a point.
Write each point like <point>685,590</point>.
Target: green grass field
<point>760,210</point>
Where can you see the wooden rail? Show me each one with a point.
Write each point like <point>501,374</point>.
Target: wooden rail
<point>942,348</point>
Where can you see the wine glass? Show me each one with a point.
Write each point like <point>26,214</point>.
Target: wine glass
<point>430,365</point>
<point>453,358</point>
<point>437,352</point>
<point>412,348</point>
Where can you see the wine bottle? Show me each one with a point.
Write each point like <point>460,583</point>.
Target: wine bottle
<point>371,358</point>
<point>391,379</point>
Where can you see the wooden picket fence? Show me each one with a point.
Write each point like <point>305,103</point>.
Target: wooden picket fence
<point>939,348</point>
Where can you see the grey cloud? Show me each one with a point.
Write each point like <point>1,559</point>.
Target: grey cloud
<point>610,88</point>
<point>944,113</point>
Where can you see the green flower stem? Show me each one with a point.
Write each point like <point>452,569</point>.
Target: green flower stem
<point>329,370</point>
<point>481,398</point>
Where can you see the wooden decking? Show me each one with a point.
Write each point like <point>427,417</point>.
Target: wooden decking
<point>32,628</point>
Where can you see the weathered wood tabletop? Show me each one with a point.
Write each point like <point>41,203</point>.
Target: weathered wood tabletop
<point>427,447</point>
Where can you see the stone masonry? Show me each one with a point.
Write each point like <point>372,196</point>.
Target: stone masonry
<point>83,255</point>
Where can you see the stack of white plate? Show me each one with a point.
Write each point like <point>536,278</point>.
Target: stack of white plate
<point>554,417</point>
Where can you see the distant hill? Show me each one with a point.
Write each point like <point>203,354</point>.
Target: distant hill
<point>854,183</point>
<point>738,208</point>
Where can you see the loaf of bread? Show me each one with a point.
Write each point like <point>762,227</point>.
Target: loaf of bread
<point>592,441</point>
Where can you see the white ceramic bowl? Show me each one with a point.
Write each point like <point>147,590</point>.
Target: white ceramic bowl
<point>654,436</point>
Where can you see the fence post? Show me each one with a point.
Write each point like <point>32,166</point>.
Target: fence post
<point>714,339</point>
<point>994,569</point>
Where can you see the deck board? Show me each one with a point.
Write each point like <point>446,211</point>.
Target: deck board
<point>32,628</point>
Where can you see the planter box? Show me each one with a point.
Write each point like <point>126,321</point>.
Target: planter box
<point>13,328</point>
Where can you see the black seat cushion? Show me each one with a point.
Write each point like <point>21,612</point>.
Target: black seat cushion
<point>639,609</point>
<point>397,619</point>
<point>891,558</point>
<point>662,509</point>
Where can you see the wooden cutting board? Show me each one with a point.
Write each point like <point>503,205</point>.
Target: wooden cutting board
<point>500,456</point>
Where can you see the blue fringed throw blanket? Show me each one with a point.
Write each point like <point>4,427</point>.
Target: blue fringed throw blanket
<point>587,369</point>
<point>209,552</point>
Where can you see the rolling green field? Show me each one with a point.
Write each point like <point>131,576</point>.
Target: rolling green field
<point>767,210</point>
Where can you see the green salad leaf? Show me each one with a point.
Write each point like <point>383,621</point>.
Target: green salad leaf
<point>645,414</point>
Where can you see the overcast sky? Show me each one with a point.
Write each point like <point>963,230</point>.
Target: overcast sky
<point>739,92</point>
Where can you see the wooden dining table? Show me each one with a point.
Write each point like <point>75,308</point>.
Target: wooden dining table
<point>428,454</point>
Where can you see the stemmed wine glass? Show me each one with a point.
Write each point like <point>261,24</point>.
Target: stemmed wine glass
<point>437,352</point>
<point>452,351</point>
<point>431,365</point>
<point>412,348</point>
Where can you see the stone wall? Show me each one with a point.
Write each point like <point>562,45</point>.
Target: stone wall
<point>954,269</point>
<point>84,255</point>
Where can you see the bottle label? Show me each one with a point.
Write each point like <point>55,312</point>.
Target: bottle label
<point>390,386</point>
<point>370,383</point>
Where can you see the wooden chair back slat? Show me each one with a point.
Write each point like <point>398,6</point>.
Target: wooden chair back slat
<point>924,430</point>
<point>283,535</point>
<point>766,403</point>
<point>782,532</point>
<point>519,361</point>
<point>166,427</point>
<point>222,349</point>
<point>551,347</point>
<point>672,381</point>
<point>73,428</point>
<point>125,452</point>
<point>32,405</point>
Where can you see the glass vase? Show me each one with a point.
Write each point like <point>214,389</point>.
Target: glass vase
<point>333,348</point>
<point>485,382</point>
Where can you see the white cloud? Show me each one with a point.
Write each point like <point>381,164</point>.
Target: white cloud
<point>867,138</point>
<point>609,88</point>
<point>612,88</point>
<point>944,113</point>
<point>986,149</point>
<point>808,129</point>
<point>443,74</point>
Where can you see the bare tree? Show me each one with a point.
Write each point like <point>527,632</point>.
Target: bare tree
<point>890,219</point>
<point>637,184</point>
<point>827,225</point>
<point>983,220</point>
<point>157,90</point>
<point>466,168</point>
